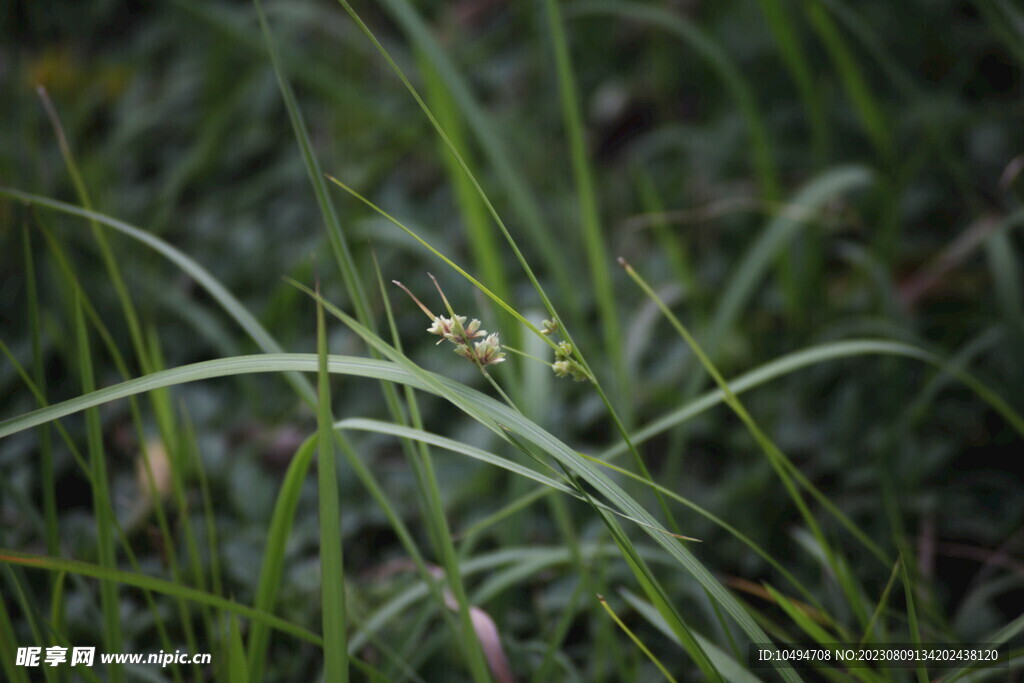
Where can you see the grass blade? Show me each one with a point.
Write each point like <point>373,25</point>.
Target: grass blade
<point>332,577</point>
<point>633,637</point>
<point>102,508</point>
<point>339,244</point>
<point>590,222</point>
<point>157,585</point>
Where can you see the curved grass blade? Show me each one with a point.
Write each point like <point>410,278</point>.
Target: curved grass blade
<point>482,408</point>
<point>231,305</point>
<point>155,585</point>
<point>379,427</point>
<point>361,367</point>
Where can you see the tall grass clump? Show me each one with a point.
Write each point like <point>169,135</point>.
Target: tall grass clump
<point>596,340</point>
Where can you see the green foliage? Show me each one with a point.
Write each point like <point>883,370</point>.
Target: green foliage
<point>817,206</point>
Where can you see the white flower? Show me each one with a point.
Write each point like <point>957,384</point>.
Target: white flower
<point>488,351</point>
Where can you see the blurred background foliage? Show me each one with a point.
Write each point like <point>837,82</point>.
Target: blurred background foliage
<point>697,136</point>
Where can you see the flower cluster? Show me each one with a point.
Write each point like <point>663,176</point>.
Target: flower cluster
<point>447,328</point>
<point>486,352</point>
<point>454,329</point>
<point>565,365</point>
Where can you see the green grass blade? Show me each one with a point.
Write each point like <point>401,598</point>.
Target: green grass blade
<point>109,260</point>
<point>589,211</point>
<point>102,507</point>
<point>520,197</point>
<point>156,585</point>
<point>873,119</point>
<point>800,618</point>
<point>38,628</point>
<point>779,462</point>
<point>912,623</point>
<point>732,670</point>
<point>656,594</point>
<point>238,670</point>
<point>274,555</point>
<point>780,367</point>
<point>493,413</point>
<point>635,639</point>
<point>1006,275</point>
<point>231,305</point>
<point>337,239</point>
<point>883,602</point>
<point>484,247</point>
<point>332,577</point>
<point>8,648</point>
<point>418,435</point>
<point>386,371</point>
<point>796,59</point>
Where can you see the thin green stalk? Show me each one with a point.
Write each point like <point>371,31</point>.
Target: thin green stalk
<point>883,603</point>
<point>102,511</point>
<point>868,109</point>
<point>433,508</point>
<point>335,235</point>
<point>225,299</point>
<point>672,244</point>
<point>332,577</point>
<point>635,639</point>
<point>169,436</point>
<point>168,429</point>
<point>462,164</point>
<point>557,635</point>
<point>75,292</point>
<point>30,609</point>
<point>659,598</point>
<point>109,260</point>
<point>213,545</point>
<point>485,249</point>
<point>520,197</point>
